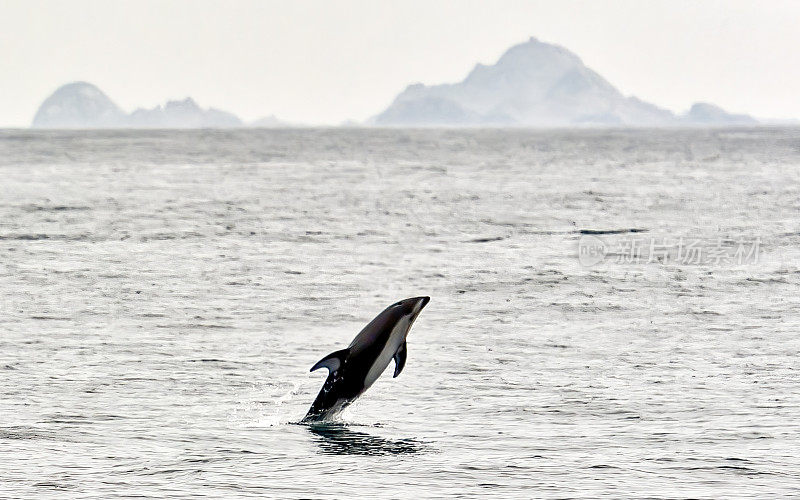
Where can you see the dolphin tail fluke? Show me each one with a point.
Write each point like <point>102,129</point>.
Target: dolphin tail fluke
<point>400,359</point>
<point>332,361</point>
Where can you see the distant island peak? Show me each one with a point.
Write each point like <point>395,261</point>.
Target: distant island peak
<point>81,105</point>
<point>537,84</point>
<point>532,84</point>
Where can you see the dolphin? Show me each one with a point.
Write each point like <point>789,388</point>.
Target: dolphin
<point>352,370</point>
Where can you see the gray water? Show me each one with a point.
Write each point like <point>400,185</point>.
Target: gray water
<point>163,295</point>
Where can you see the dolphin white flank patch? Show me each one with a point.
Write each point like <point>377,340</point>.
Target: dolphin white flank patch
<point>396,339</point>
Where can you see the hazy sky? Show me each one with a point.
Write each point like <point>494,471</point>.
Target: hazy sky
<point>324,61</point>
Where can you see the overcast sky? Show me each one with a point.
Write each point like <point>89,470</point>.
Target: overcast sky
<point>325,61</point>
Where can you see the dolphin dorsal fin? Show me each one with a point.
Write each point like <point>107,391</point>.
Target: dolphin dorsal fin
<point>332,361</point>
<point>400,359</point>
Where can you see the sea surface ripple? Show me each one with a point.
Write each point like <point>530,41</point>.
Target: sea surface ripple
<point>164,293</point>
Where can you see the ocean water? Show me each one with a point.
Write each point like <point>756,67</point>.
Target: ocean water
<point>614,313</point>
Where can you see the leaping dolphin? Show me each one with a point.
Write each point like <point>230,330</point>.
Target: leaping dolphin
<point>353,370</point>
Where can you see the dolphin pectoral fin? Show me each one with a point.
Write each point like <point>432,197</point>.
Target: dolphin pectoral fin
<point>332,361</point>
<point>400,359</point>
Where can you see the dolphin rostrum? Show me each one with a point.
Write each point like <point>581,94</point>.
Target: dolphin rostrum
<point>352,370</point>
